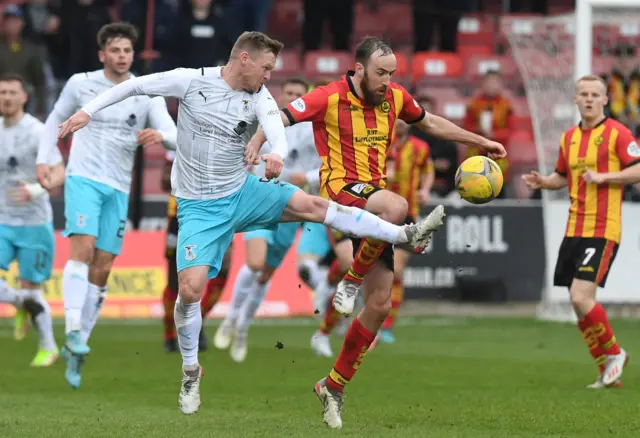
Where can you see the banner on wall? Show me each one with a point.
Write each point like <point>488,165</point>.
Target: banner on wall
<point>622,281</point>
<point>498,245</point>
<point>138,280</point>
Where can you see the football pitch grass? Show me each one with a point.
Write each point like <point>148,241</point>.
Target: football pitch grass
<point>443,378</point>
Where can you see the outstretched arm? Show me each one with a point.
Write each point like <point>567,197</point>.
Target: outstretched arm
<point>535,181</point>
<point>174,83</point>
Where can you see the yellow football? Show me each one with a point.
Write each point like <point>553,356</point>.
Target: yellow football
<point>479,180</point>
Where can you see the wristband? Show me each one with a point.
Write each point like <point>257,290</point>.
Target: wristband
<point>35,190</point>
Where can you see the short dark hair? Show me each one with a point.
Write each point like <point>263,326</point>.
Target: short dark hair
<point>369,46</point>
<point>296,81</point>
<point>109,32</point>
<point>254,42</point>
<point>495,73</point>
<point>14,77</point>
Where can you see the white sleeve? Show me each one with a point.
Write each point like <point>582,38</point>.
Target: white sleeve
<point>54,157</point>
<point>269,117</point>
<point>161,121</point>
<point>65,106</point>
<point>174,83</point>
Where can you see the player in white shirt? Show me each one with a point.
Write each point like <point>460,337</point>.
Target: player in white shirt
<point>98,182</point>
<point>220,109</point>
<point>267,248</point>
<point>26,228</point>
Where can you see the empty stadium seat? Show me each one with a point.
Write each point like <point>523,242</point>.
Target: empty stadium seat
<point>453,108</point>
<point>327,64</point>
<point>476,35</point>
<point>403,70</point>
<point>477,66</point>
<point>521,149</point>
<point>396,18</point>
<point>437,68</point>
<point>287,64</point>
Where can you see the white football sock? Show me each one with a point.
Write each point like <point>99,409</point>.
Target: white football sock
<point>91,310</point>
<point>188,321</point>
<point>315,273</point>
<point>251,305</point>
<point>245,282</point>
<point>75,285</point>
<point>8,295</point>
<point>42,319</point>
<point>360,223</point>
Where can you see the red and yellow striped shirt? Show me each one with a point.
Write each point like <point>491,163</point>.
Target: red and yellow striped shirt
<point>596,210</point>
<point>410,162</point>
<point>351,136</point>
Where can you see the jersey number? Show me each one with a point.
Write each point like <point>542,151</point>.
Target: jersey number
<point>588,253</point>
<point>120,233</point>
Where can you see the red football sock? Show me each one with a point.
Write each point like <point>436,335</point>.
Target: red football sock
<point>212,293</point>
<point>331,318</point>
<point>169,298</point>
<point>397,297</point>
<point>599,323</point>
<point>335,273</point>
<point>368,252</point>
<point>354,349</point>
<point>593,344</point>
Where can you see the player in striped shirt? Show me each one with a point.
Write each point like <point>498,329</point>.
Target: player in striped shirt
<point>353,121</point>
<point>596,159</point>
<point>221,109</point>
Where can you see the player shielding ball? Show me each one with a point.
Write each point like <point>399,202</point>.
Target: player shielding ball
<point>220,109</point>
<point>353,121</point>
<point>26,227</point>
<point>96,190</point>
<point>596,159</point>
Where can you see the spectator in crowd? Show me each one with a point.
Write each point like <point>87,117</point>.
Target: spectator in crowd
<point>624,88</point>
<point>80,21</point>
<point>42,27</point>
<point>444,153</point>
<point>429,15</point>
<point>490,114</point>
<point>339,13</point>
<point>532,6</point>
<point>203,31</point>
<point>246,15</point>
<point>20,56</point>
<point>165,53</point>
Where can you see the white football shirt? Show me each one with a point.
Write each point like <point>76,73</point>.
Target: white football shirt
<point>215,123</point>
<point>18,150</point>
<point>104,151</point>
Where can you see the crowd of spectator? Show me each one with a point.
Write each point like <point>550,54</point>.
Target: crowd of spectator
<point>47,41</point>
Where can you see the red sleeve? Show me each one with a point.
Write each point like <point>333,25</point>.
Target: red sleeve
<point>627,148</point>
<point>411,111</point>
<point>309,108</point>
<point>502,135</point>
<point>470,123</point>
<point>561,164</point>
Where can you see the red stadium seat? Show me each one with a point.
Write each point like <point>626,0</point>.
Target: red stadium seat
<point>287,64</point>
<point>476,33</point>
<point>440,94</point>
<point>452,108</point>
<point>397,22</point>
<point>477,66</point>
<point>437,67</point>
<point>515,23</point>
<point>327,64</point>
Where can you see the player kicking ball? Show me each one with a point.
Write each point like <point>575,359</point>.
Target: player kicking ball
<point>353,121</point>
<point>98,182</point>
<point>596,159</point>
<point>220,109</point>
<point>266,249</point>
<point>26,228</point>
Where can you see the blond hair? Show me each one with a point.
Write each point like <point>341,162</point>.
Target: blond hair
<point>591,78</point>
<point>254,43</point>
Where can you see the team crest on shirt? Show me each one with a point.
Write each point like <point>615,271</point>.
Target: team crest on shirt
<point>188,252</point>
<point>599,141</point>
<point>385,106</point>
<point>246,106</point>
<point>81,220</point>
